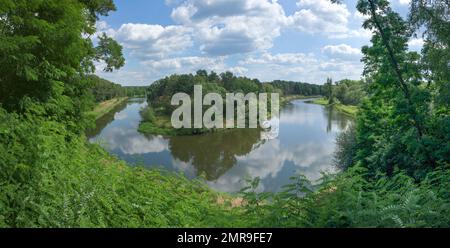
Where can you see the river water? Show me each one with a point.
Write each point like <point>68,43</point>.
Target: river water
<point>305,145</point>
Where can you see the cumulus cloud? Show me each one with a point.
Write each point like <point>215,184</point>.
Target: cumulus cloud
<point>281,58</point>
<point>342,51</point>
<point>154,41</point>
<point>360,33</point>
<point>186,63</point>
<point>208,34</point>
<point>129,142</point>
<point>320,16</point>
<point>305,67</point>
<point>225,27</point>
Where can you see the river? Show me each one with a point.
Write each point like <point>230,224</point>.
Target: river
<point>305,145</point>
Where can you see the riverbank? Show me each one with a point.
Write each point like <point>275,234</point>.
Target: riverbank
<point>287,99</point>
<point>154,123</point>
<point>162,125</point>
<point>105,107</point>
<point>346,109</point>
<point>86,187</point>
<point>158,124</point>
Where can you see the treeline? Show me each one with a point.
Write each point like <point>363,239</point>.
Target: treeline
<point>297,88</point>
<point>135,91</point>
<point>397,157</point>
<point>160,92</point>
<point>348,92</point>
<point>103,90</point>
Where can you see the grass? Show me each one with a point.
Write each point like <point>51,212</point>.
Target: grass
<point>60,180</point>
<point>162,125</point>
<point>105,107</point>
<point>159,126</point>
<point>346,109</point>
<point>155,123</point>
<point>286,99</point>
<point>52,178</point>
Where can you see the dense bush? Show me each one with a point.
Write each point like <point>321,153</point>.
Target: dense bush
<point>349,92</point>
<point>350,200</point>
<point>53,178</point>
<point>346,148</point>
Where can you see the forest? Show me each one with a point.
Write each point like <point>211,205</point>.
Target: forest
<point>103,90</point>
<point>395,159</point>
<point>156,116</point>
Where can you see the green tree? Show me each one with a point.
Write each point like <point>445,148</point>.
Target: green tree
<point>329,90</point>
<point>45,49</point>
<point>394,126</point>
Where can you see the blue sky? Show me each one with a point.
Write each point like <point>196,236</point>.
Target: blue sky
<point>299,40</point>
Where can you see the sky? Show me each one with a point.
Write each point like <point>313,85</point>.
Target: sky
<point>296,40</point>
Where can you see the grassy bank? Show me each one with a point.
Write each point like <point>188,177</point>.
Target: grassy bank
<point>155,123</point>
<point>159,124</point>
<point>286,99</point>
<point>105,107</point>
<point>346,109</point>
<point>53,178</point>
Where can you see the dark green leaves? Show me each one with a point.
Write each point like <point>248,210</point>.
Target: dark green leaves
<point>110,52</point>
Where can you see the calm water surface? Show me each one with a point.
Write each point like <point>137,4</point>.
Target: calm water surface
<point>305,145</point>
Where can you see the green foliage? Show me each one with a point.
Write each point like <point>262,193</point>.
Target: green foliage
<point>397,123</point>
<point>349,92</point>
<point>160,94</point>
<point>52,178</point>
<point>148,115</point>
<point>110,52</point>
<point>136,91</point>
<point>162,90</point>
<point>346,148</point>
<point>329,91</point>
<point>104,90</point>
<point>396,160</point>
<point>45,48</point>
<point>295,88</point>
<point>349,200</point>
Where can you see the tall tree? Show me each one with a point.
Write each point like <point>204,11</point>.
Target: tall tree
<point>329,90</point>
<point>396,124</point>
<point>45,48</point>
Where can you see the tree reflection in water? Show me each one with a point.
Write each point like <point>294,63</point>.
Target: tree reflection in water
<point>214,154</point>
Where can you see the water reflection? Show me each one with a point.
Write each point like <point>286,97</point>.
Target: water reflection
<point>336,120</point>
<point>103,121</point>
<point>305,145</point>
<point>214,154</point>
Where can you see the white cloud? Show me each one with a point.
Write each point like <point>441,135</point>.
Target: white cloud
<point>360,33</point>
<point>186,64</point>
<point>320,16</point>
<point>238,70</point>
<point>416,43</point>
<point>342,51</point>
<point>152,41</point>
<point>209,33</point>
<point>282,58</point>
<point>305,67</point>
<point>129,142</point>
<point>404,2</point>
<point>225,27</point>
<point>102,27</point>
